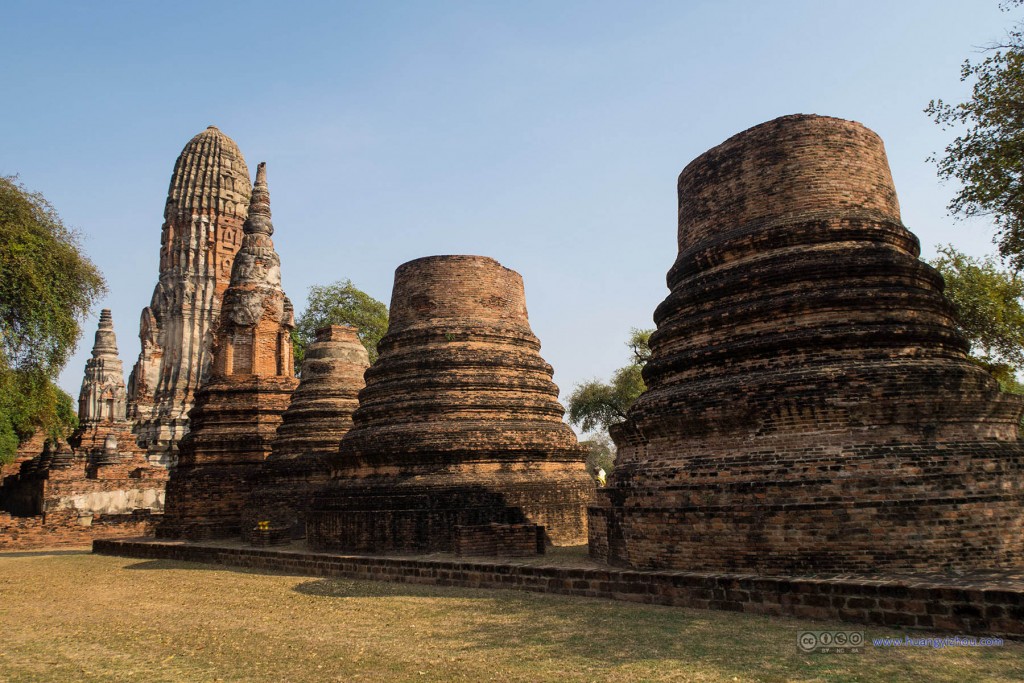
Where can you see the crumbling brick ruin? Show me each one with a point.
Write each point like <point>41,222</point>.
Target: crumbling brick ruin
<point>318,416</point>
<point>206,206</point>
<point>459,423</point>
<point>810,404</point>
<point>100,483</point>
<point>237,412</point>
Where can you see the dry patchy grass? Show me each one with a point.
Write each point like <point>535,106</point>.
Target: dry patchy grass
<point>83,617</point>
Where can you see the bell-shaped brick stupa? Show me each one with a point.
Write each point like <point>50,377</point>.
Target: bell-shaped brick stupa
<point>459,423</point>
<point>319,415</point>
<point>810,404</point>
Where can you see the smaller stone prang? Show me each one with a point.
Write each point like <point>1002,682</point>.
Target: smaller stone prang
<point>101,406</point>
<point>319,415</point>
<point>99,474</point>
<point>103,394</point>
<point>237,413</point>
<point>459,423</point>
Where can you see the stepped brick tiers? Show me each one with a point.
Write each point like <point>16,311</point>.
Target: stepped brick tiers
<point>810,405</point>
<point>103,486</point>
<point>319,415</point>
<point>459,423</point>
<point>202,230</point>
<point>237,412</point>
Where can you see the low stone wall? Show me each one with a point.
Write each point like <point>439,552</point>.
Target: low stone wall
<point>68,528</point>
<point>955,605</point>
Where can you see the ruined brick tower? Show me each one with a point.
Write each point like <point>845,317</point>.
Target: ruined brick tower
<point>459,423</point>
<point>237,412</point>
<point>810,404</point>
<point>202,230</point>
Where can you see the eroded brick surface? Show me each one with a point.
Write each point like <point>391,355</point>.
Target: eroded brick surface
<point>237,413</point>
<point>318,416</point>
<point>811,406</point>
<point>459,423</point>
<point>98,483</point>
<point>206,207</point>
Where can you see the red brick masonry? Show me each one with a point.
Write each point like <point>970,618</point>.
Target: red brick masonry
<point>989,604</point>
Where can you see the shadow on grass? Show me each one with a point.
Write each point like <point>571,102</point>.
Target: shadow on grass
<point>590,631</point>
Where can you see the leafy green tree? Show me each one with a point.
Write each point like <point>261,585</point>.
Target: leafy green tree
<point>987,157</point>
<point>47,287</point>
<point>601,454</point>
<point>988,302</point>
<point>340,303</point>
<point>597,405</point>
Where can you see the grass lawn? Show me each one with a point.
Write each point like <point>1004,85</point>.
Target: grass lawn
<point>74,616</point>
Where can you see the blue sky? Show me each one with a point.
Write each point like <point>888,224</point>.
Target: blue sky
<point>547,135</point>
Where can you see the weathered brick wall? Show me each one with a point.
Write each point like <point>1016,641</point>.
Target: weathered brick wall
<point>964,607</point>
<point>810,405</point>
<point>459,423</point>
<point>60,497</point>
<point>70,528</point>
<point>506,540</point>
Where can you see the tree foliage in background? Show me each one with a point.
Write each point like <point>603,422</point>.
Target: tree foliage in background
<point>340,303</point>
<point>987,158</point>
<point>47,287</point>
<point>597,405</point>
<point>600,454</point>
<point>988,302</point>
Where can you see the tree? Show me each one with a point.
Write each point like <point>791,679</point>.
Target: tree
<point>601,454</point>
<point>340,303</point>
<point>988,302</point>
<point>47,287</point>
<point>598,405</point>
<point>987,158</point>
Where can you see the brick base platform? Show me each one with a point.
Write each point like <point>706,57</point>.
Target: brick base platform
<point>988,603</point>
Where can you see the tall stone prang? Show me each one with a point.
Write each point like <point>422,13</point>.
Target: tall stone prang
<point>459,423</point>
<point>810,404</point>
<point>237,412</point>
<point>206,207</point>
<point>319,415</point>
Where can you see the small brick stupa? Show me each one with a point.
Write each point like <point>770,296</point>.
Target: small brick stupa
<point>319,415</point>
<point>237,413</point>
<point>810,403</point>
<point>459,423</point>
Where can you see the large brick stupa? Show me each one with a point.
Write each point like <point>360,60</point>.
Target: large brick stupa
<point>459,423</point>
<point>811,406</point>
